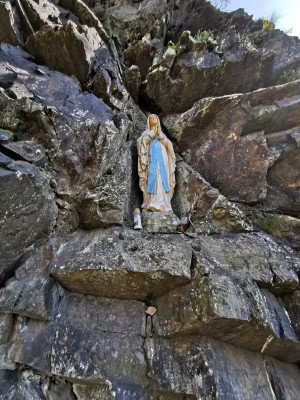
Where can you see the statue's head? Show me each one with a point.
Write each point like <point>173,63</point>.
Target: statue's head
<point>153,120</point>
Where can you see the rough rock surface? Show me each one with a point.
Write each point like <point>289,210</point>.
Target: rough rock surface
<point>122,264</point>
<point>246,145</point>
<point>77,282</point>
<point>27,201</point>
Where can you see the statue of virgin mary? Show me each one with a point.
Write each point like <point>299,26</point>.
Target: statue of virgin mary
<point>156,167</point>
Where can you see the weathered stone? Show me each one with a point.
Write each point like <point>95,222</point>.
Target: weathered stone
<point>66,49</point>
<point>35,297</point>
<point>77,130</point>
<point>107,83</point>
<point>92,341</point>
<point>9,32</point>
<point>140,54</point>
<point>8,382</point>
<point>292,304</point>
<point>132,79</point>
<point>93,392</point>
<point>27,151</point>
<point>108,205</point>
<point>282,227</point>
<point>235,58</point>
<point>157,222</point>
<point>251,256</point>
<point>122,263</point>
<point>129,23</point>
<point>5,136</point>
<point>237,139</point>
<point>208,211</point>
<point>28,212</point>
<point>191,365</point>
<point>225,302</point>
<point>6,327</point>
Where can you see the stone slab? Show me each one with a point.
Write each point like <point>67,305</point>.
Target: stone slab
<point>122,263</point>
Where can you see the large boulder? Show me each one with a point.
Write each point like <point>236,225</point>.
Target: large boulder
<point>245,145</point>
<point>48,113</point>
<point>228,300</point>
<point>92,341</point>
<point>65,49</point>
<point>205,368</point>
<point>204,207</point>
<point>122,263</point>
<point>28,212</point>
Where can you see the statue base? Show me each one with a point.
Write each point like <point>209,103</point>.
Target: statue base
<point>159,222</point>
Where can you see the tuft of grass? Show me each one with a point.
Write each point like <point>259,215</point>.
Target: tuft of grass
<point>267,24</point>
<point>174,46</point>
<point>158,61</point>
<point>204,36</point>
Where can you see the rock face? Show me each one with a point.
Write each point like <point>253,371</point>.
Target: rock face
<point>27,201</point>
<point>220,276</point>
<point>122,264</point>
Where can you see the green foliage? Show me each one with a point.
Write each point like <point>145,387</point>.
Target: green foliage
<point>268,25</point>
<point>174,46</point>
<point>273,225</point>
<point>270,22</point>
<point>204,36</point>
<point>158,61</point>
<point>289,76</point>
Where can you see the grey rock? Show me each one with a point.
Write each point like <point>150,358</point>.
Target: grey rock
<point>108,205</point>
<point>6,326</point>
<point>208,211</point>
<point>28,212</point>
<point>66,49</point>
<point>244,145</point>
<point>140,54</point>
<point>284,228</point>
<point>5,136</point>
<point>35,297</point>
<point>8,382</point>
<point>157,222</point>
<point>132,80</point>
<point>191,365</point>
<point>225,302</point>
<point>93,392</point>
<point>92,341</point>
<point>292,303</point>
<point>122,263</point>
<point>9,32</point>
<point>27,151</point>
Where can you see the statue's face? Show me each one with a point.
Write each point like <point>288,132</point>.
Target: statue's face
<point>152,120</point>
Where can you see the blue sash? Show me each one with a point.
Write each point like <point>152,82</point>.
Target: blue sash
<point>156,158</point>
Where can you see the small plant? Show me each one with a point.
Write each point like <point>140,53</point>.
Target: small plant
<point>268,25</point>
<point>174,46</point>
<point>204,36</point>
<point>289,76</point>
<point>157,61</point>
<point>273,225</point>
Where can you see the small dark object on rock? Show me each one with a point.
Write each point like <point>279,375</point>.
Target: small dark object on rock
<point>183,225</point>
<point>121,236</point>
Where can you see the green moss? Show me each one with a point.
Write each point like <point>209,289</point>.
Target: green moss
<point>273,225</point>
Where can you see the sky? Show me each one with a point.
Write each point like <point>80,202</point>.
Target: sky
<point>288,9</point>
